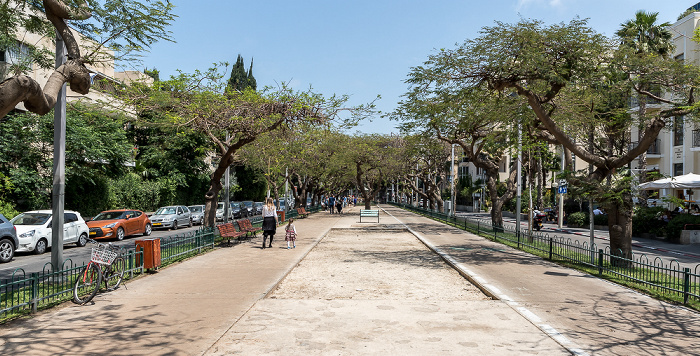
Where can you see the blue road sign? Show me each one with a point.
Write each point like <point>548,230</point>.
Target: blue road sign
<point>562,189</point>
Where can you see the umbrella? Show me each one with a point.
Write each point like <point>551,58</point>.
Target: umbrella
<point>686,181</point>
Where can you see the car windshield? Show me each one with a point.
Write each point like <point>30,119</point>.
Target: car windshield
<point>166,211</point>
<point>248,204</point>
<point>31,219</point>
<point>110,215</point>
<point>196,209</point>
<point>220,207</point>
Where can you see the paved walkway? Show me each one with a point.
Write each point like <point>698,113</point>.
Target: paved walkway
<point>198,306</point>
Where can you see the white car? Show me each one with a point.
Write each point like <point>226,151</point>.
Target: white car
<point>34,230</point>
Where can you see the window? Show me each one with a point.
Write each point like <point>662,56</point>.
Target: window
<point>678,131</point>
<point>69,218</point>
<point>677,169</point>
<point>680,57</point>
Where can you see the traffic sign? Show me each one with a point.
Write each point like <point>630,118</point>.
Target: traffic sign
<point>562,189</point>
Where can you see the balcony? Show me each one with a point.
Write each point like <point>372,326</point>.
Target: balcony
<point>654,151</point>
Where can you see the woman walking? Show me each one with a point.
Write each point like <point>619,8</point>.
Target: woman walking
<point>269,214</point>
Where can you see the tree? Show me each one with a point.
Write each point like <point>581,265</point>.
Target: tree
<point>239,80</point>
<point>480,122</point>
<point>119,26</point>
<point>645,37</point>
<point>568,75</point>
<point>231,120</point>
<point>96,148</point>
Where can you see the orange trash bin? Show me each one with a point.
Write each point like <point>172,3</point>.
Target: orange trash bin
<point>280,214</point>
<point>151,253</point>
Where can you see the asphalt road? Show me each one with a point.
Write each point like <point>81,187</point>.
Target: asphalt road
<point>27,262</point>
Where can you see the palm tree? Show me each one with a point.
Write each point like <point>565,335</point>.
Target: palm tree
<point>646,37</point>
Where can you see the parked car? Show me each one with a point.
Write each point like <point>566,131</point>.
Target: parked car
<point>238,210</point>
<point>8,240</point>
<point>119,224</point>
<point>220,211</point>
<point>171,217</point>
<point>250,206</point>
<point>34,230</point>
<point>258,207</point>
<point>197,212</point>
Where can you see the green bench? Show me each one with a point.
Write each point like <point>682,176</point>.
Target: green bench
<point>369,213</point>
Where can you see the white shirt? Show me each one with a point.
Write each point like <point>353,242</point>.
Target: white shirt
<point>268,212</point>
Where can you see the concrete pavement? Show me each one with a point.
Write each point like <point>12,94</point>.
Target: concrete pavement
<point>200,305</point>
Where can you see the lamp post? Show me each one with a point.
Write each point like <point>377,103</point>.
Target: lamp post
<point>59,165</point>
<point>452,183</point>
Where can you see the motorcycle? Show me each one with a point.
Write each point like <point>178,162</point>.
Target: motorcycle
<point>539,220</point>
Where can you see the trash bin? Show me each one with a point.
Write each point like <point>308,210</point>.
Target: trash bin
<point>280,214</point>
<point>151,253</point>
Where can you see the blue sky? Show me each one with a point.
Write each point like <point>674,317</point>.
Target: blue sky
<point>359,48</point>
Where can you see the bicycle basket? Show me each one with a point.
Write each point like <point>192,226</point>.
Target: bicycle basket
<point>102,255</point>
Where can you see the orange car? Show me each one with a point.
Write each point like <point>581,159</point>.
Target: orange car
<point>119,223</point>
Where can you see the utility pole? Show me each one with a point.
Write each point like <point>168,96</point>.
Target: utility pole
<point>560,222</point>
<point>227,191</point>
<point>452,182</point>
<point>59,165</point>
<point>518,201</point>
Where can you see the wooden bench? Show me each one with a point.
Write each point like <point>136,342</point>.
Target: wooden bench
<point>247,227</point>
<point>301,212</point>
<point>369,213</point>
<point>229,232</point>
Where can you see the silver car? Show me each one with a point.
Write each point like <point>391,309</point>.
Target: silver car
<point>8,240</point>
<point>197,214</point>
<point>171,217</point>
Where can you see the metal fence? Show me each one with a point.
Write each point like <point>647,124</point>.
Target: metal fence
<point>663,277</point>
<point>29,292</point>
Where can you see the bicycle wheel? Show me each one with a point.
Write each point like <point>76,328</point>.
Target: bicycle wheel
<point>114,273</point>
<point>87,283</point>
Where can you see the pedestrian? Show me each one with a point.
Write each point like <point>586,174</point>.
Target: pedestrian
<point>269,225</point>
<point>339,206</point>
<point>331,203</point>
<point>291,234</point>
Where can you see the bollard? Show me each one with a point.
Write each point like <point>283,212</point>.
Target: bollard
<point>551,241</point>
<point>686,285</point>
<point>600,262</point>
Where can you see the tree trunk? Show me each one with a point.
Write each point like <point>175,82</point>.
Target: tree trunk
<point>211,200</point>
<point>620,226</point>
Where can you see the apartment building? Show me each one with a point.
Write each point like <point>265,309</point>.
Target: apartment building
<point>676,151</point>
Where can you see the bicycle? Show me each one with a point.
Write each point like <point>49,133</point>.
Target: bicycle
<point>106,263</point>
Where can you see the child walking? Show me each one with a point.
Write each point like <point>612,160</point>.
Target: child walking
<point>291,234</point>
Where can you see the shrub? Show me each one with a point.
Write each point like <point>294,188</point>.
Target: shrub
<point>577,219</point>
<point>675,226</point>
<point>648,220</point>
<point>8,210</point>
<point>600,220</point>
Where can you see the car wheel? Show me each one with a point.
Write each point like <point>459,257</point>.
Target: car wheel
<point>82,240</point>
<point>147,231</point>
<point>120,234</point>
<point>175,225</point>
<point>7,250</point>
<point>40,247</point>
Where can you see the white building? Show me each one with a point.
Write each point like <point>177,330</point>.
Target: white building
<point>677,148</point>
